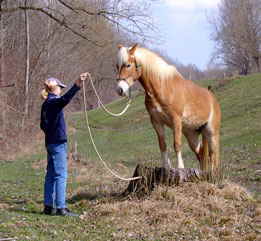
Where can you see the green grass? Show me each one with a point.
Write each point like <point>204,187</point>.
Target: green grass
<point>123,142</point>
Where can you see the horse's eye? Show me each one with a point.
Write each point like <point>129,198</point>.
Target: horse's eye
<point>128,65</point>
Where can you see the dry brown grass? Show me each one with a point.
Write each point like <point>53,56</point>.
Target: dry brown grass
<point>191,211</point>
<point>23,145</point>
<point>4,206</point>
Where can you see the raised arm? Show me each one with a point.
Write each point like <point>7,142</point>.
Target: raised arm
<point>62,101</point>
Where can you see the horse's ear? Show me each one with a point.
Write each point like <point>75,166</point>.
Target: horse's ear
<point>119,46</point>
<point>133,49</point>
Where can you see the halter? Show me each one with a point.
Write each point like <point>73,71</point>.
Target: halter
<point>137,66</point>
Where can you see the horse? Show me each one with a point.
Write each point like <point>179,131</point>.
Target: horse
<point>175,102</point>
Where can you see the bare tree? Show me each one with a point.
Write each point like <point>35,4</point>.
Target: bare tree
<point>62,38</point>
<point>128,16</point>
<point>237,33</point>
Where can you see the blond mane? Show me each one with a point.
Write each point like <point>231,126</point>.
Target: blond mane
<point>154,66</point>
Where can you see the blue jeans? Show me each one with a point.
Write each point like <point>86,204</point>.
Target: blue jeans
<point>56,176</point>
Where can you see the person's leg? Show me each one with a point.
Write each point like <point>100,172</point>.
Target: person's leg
<point>60,174</point>
<point>60,179</point>
<point>49,179</point>
<point>49,187</point>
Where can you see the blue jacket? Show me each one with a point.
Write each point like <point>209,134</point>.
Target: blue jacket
<point>52,116</point>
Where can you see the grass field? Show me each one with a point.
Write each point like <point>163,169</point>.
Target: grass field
<point>202,211</point>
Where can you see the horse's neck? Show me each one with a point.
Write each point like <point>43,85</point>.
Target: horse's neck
<point>155,89</point>
<point>147,85</point>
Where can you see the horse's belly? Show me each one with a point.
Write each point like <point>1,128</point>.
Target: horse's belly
<point>193,118</point>
<point>191,123</point>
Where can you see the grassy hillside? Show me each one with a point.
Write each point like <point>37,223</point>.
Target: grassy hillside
<point>189,212</point>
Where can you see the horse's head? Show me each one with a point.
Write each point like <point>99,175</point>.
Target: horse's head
<point>128,69</point>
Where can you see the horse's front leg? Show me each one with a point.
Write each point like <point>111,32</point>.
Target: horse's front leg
<point>160,130</point>
<point>178,140</point>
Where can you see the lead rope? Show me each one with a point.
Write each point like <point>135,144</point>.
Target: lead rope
<point>103,106</point>
<point>91,136</point>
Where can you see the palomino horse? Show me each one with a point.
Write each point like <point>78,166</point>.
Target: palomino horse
<point>173,101</point>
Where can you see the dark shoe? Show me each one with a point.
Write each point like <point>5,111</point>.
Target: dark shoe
<point>48,210</point>
<point>65,212</point>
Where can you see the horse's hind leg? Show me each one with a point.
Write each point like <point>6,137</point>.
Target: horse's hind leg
<point>159,128</point>
<point>212,133</point>
<point>194,141</point>
<point>212,138</point>
<point>214,152</point>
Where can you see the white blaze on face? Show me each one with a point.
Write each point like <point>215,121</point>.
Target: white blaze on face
<point>123,57</point>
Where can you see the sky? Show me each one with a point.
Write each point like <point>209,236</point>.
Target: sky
<point>185,29</point>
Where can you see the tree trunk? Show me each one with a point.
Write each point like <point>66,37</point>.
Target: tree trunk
<point>2,45</point>
<point>153,176</point>
<point>27,57</point>
<point>48,38</point>
<point>257,62</point>
<point>3,97</point>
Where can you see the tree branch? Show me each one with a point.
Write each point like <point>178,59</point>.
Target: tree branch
<point>61,22</point>
<point>66,5</point>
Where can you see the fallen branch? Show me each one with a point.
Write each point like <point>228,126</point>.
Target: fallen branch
<point>8,85</point>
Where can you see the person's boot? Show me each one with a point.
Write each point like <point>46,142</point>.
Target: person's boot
<point>65,212</point>
<point>48,210</point>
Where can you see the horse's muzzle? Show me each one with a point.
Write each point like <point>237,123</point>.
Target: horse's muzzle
<point>123,88</point>
<point>119,91</point>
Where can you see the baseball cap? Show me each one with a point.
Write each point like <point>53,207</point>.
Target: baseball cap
<point>56,82</point>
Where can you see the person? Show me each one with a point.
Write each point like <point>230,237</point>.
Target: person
<point>54,127</point>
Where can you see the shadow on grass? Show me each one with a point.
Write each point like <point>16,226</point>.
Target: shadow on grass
<point>25,206</point>
<point>85,196</point>
<point>92,196</point>
<point>27,211</point>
